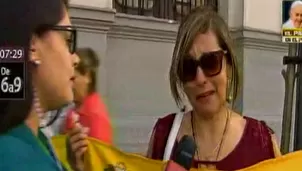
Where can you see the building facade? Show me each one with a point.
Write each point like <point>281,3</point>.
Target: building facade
<point>136,50</point>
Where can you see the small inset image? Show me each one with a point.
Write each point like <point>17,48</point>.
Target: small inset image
<point>291,14</point>
<point>292,21</point>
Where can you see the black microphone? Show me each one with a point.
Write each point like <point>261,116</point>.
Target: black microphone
<point>185,152</point>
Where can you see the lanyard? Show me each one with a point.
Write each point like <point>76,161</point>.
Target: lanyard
<point>43,146</point>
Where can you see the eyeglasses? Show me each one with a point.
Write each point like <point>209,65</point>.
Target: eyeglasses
<point>70,38</point>
<point>210,63</point>
<point>69,33</point>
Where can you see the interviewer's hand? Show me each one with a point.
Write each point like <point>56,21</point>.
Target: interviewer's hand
<point>77,144</point>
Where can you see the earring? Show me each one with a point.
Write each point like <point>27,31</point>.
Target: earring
<point>229,96</point>
<point>183,109</point>
<point>37,62</point>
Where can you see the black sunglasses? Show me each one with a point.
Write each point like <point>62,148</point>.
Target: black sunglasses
<point>209,62</point>
<point>70,37</point>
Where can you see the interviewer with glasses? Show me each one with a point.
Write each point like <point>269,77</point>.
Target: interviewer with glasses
<point>43,29</point>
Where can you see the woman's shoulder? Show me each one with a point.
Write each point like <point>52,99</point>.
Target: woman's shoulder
<point>13,150</point>
<point>258,125</point>
<point>19,154</point>
<point>256,136</point>
<point>93,104</point>
<point>163,125</point>
<point>165,122</point>
<point>92,99</point>
<point>9,143</point>
<point>257,132</point>
<point>160,135</point>
<point>167,118</point>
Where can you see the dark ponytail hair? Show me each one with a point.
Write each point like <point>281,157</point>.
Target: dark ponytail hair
<point>19,21</point>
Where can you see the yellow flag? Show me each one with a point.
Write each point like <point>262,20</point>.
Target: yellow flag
<point>103,157</point>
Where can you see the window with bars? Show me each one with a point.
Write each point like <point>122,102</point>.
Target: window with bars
<point>166,9</point>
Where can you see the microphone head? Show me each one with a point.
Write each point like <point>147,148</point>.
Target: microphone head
<point>185,152</point>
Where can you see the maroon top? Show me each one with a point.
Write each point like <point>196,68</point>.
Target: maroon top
<point>255,145</point>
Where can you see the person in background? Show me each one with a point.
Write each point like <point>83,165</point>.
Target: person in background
<point>90,116</point>
<point>43,30</point>
<point>89,106</point>
<point>295,16</point>
<point>204,70</point>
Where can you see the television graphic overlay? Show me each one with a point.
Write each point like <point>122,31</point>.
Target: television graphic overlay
<point>12,73</point>
<point>291,22</point>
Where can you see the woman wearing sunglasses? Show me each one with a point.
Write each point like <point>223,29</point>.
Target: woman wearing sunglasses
<point>204,70</point>
<point>43,29</point>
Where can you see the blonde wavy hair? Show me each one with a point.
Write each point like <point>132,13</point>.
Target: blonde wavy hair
<point>200,20</point>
